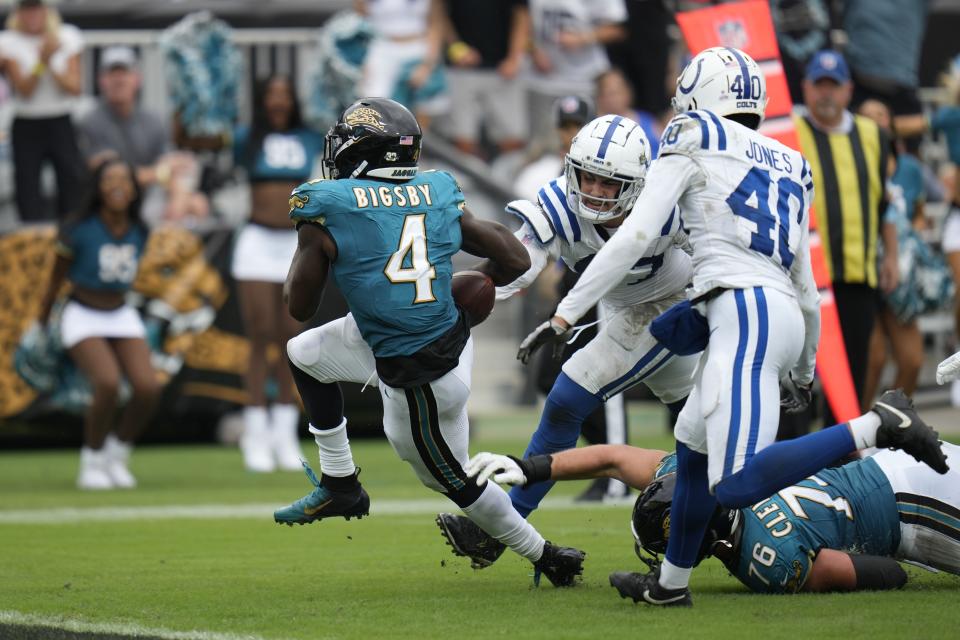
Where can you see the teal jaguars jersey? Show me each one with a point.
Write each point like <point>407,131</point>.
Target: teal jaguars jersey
<point>394,248</point>
<point>851,508</point>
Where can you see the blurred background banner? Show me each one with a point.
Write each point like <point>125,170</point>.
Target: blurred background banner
<point>749,26</point>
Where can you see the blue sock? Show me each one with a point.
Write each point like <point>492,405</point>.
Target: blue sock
<point>567,406</point>
<point>783,464</point>
<point>692,508</point>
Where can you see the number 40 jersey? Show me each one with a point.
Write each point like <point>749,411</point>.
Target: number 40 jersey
<point>746,204</point>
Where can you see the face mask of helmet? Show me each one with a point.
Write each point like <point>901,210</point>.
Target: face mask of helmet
<point>610,148</point>
<point>650,523</point>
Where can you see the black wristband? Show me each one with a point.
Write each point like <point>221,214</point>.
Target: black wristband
<point>878,573</point>
<point>536,468</point>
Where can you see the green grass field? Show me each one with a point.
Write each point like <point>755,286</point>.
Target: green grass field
<point>194,553</point>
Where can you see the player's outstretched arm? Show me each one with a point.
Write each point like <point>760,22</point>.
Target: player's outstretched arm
<point>631,465</point>
<point>838,571</point>
<point>303,289</point>
<point>507,259</point>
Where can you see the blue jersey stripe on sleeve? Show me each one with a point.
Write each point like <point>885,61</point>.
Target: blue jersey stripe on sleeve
<point>558,227</point>
<point>665,231</point>
<point>704,130</point>
<point>721,134</point>
<point>571,216</point>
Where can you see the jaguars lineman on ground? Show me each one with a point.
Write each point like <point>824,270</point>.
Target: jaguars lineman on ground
<point>387,233</point>
<point>839,530</point>
<point>744,201</point>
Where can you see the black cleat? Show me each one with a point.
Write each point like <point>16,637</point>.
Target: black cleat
<point>563,566</point>
<point>469,540</point>
<point>901,428</point>
<point>596,492</point>
<point>646,587</point>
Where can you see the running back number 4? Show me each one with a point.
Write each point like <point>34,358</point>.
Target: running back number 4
<point>413,242</point>
<point>750,200</point>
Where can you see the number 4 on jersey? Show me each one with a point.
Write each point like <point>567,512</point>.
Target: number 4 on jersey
<point>750,200</point>
<point>413,241</point>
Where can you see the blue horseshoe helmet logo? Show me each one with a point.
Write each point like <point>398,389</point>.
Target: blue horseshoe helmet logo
<point>685,90</point>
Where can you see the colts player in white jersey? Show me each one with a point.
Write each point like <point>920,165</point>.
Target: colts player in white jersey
<point>754,310</point>
<point>575,215</point>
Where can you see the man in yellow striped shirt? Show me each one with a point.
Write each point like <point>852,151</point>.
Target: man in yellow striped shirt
<point>848,157</point>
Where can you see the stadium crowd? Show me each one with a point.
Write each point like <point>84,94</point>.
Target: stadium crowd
<point>508,82</point>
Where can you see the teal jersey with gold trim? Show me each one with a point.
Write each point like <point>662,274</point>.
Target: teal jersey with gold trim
<point>851,508</point>
<point>394,242</point>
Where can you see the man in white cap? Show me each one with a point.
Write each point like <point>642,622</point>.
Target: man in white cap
<point>120,125</point>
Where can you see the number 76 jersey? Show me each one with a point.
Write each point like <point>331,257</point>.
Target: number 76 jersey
<point>746,205</point>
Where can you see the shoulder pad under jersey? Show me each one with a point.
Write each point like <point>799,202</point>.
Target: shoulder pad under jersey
<point>313,200</point>
<point>535,216</point>
<point>693,131</point>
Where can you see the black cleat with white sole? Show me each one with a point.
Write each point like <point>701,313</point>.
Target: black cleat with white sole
<point>646,587</point>
<point>563,566</point>
<point>469,540</point>
<point>901,428</point>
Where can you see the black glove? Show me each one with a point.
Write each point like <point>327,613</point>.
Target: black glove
<point>548,332</point>
<point>795,397</point>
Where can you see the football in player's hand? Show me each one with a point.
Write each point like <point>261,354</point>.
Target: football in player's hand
<point>474,293</point>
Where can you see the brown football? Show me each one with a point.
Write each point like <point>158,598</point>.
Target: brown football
<point>474,293</point>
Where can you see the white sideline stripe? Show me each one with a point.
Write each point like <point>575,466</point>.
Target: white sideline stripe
<point>126,630</point>
<point>247,511</point>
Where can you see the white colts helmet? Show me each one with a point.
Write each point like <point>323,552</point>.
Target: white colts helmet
<point>615,148</point>
<point>723,80</point>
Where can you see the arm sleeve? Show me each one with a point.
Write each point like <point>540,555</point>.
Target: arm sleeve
<point>801,273</point>
<point>539,256</point>
<point>667,180</point>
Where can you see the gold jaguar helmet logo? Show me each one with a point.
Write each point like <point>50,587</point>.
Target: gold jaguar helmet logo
<point>365,116</point>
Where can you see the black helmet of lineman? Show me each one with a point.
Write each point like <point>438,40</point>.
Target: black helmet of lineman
<point>651,520</point>
<point>374,138</point>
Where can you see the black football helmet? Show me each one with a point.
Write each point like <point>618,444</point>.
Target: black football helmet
<point>651,520</point>
<point>374,138</point>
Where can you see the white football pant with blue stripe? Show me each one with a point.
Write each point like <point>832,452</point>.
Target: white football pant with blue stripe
<point>624,353</point>
<point>734,409</point>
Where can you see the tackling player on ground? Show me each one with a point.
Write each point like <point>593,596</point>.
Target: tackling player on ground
<point>387,233</point>
<point>840,530</point>
<point>754,309</point>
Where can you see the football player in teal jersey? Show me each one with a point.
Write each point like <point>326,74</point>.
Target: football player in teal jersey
<point>387,233</point>
<point>842,529</point>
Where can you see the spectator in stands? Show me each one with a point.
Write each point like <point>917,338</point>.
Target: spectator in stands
<point>98,251</point>
<point>404,59</point>
<point>883,49</point>
<point>278,153</point>
<point>41,58</point>
<point>570,113</point>
<point>645,57</point>
<point>848,158</point>
<point>488,42</point>
<point>121,125</point>
<point>568,50</point>
<point>615,96</point>
<point>905,197</point>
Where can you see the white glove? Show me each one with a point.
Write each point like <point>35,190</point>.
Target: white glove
<point>501,469</point>
<point>949,369</point>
